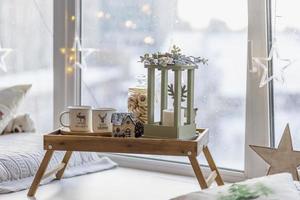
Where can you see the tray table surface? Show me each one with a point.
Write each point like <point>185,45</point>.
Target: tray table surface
<point>70,141</point>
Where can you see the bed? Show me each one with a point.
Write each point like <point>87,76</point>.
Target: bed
<point>21,154</point>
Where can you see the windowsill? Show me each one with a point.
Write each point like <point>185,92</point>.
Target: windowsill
<point>119,183</point>
<point>183,169</point>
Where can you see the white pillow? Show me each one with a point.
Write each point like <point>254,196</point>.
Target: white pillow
<point>10,99</point>
<point>279,187</point>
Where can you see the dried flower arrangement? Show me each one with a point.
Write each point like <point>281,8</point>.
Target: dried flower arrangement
<point>171,58</point>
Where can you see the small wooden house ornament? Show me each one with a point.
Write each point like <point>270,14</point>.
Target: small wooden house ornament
<point>124,125</point>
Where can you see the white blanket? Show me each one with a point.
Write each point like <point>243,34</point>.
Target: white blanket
<point>21,154</point>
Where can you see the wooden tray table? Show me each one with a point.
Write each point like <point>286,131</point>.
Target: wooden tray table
<point>60,140</point>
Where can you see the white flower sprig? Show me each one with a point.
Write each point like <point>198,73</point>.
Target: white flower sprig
<point>171,58</point>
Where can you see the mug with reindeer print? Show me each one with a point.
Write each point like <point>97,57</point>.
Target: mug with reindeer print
<point>102,120</point>
<point>80,118</point>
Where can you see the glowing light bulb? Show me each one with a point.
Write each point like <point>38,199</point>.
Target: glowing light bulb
<point>146,8</point>
<point>70,69</point>
<point>73,18</point>
<point>100,14</point>
<point>130,24</point>
<point>62,50</point>
<point>149,40</point>
<point>71,58</point>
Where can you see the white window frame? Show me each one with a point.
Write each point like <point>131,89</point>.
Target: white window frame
<point>66,85</point>
<point>257,99</point>
<point>67,92</point>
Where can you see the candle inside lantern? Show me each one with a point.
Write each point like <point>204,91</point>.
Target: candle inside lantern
<point>168,117</point>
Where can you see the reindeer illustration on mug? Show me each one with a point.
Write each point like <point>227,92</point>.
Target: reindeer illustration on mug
<point>102,120</point>
<point>103,123</point>
<point>81,118</point>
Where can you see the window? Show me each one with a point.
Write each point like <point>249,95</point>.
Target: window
<point>199,27</point>
<point>121,31</point>
<point>26,28</point>
<point>286,33</point>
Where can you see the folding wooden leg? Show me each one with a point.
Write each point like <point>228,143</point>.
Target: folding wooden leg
<point>65,161</point>
<point>198,172</point>
<point>40,173</point>
<point>212,165</point>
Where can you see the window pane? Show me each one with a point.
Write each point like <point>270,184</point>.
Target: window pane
<point>286,31</point>
<point>26,28</point>
<point>124,30</point>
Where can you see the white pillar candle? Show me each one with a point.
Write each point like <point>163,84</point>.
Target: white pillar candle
<point>168,117</point>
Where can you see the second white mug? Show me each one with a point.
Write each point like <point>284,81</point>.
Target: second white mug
<point>102,120</point>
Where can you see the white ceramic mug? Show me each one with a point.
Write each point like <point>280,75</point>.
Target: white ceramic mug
<point>80,118</point>
<point>102,120</point>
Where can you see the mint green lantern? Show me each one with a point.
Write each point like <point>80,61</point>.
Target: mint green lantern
<point>178,130</point>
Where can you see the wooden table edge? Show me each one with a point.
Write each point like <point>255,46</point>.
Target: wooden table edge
<point>161,146</point>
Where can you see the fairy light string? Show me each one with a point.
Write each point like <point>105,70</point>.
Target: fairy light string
<point>73,61</point>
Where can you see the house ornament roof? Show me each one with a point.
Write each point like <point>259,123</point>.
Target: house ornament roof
<point>120,118</point>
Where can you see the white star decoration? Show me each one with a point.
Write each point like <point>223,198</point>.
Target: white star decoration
<point>4,52</point>
<point>86,52</point>
<point>259,61</point>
